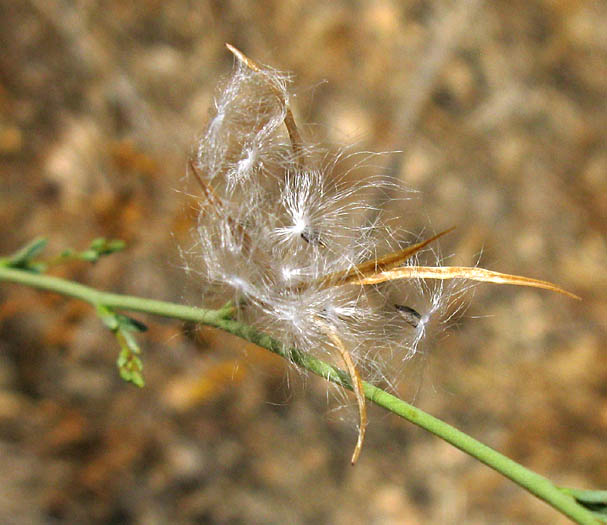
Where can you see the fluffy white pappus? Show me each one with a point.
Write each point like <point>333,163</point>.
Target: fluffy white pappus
<point>415,315</point>
<point>249,112</point>
<point>330,216</point>
<point>302,318</point>
<point>279,216</point>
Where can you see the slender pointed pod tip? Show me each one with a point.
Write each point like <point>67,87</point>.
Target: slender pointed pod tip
<point>289,120</point>
<point>460,272</point>
<point>377,266</point>
<point>236,52</point>
<point>243,58</point>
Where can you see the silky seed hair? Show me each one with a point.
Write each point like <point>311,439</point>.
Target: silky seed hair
<point>287,238</point>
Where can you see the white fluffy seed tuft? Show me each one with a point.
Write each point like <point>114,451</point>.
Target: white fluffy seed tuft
<point>277,217</point>
<point>303,252</point>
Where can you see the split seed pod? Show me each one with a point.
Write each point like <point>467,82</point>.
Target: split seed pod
<point>280,235</point>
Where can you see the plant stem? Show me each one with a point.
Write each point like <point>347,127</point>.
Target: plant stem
<point>529,480</point>
<point>112,300</point>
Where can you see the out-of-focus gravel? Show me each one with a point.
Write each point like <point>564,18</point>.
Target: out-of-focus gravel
<point>500,111</point>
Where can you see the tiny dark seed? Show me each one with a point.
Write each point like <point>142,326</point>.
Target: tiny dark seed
<point>311,236</point>
<point>410,315</point>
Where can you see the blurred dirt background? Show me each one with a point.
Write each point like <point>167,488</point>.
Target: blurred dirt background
<point>500,111</point>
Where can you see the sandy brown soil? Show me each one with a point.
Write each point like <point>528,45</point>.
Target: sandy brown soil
<point>499,109</point>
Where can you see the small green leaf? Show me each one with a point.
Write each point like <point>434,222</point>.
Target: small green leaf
<point>227,310</point>
<point>37,267</point>
<point>123,358</point>
<point>22,258</point>
<point>102,246</point>
<point>137,379</point>
<point>98,244</point>
<point>98,248</point>
<point>127,339</point>
<point>593,500</point>
<point>116,245</point>
<point>128,323</point>
<point>130,367</point>
<point>109,318</point>
<point>129,364</point>
<point>89,255</point>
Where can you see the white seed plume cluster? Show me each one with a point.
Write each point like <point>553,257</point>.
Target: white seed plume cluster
<point>284,238</point>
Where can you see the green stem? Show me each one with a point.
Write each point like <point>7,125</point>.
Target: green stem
<point>112,300</point>
<point>529,480</point>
